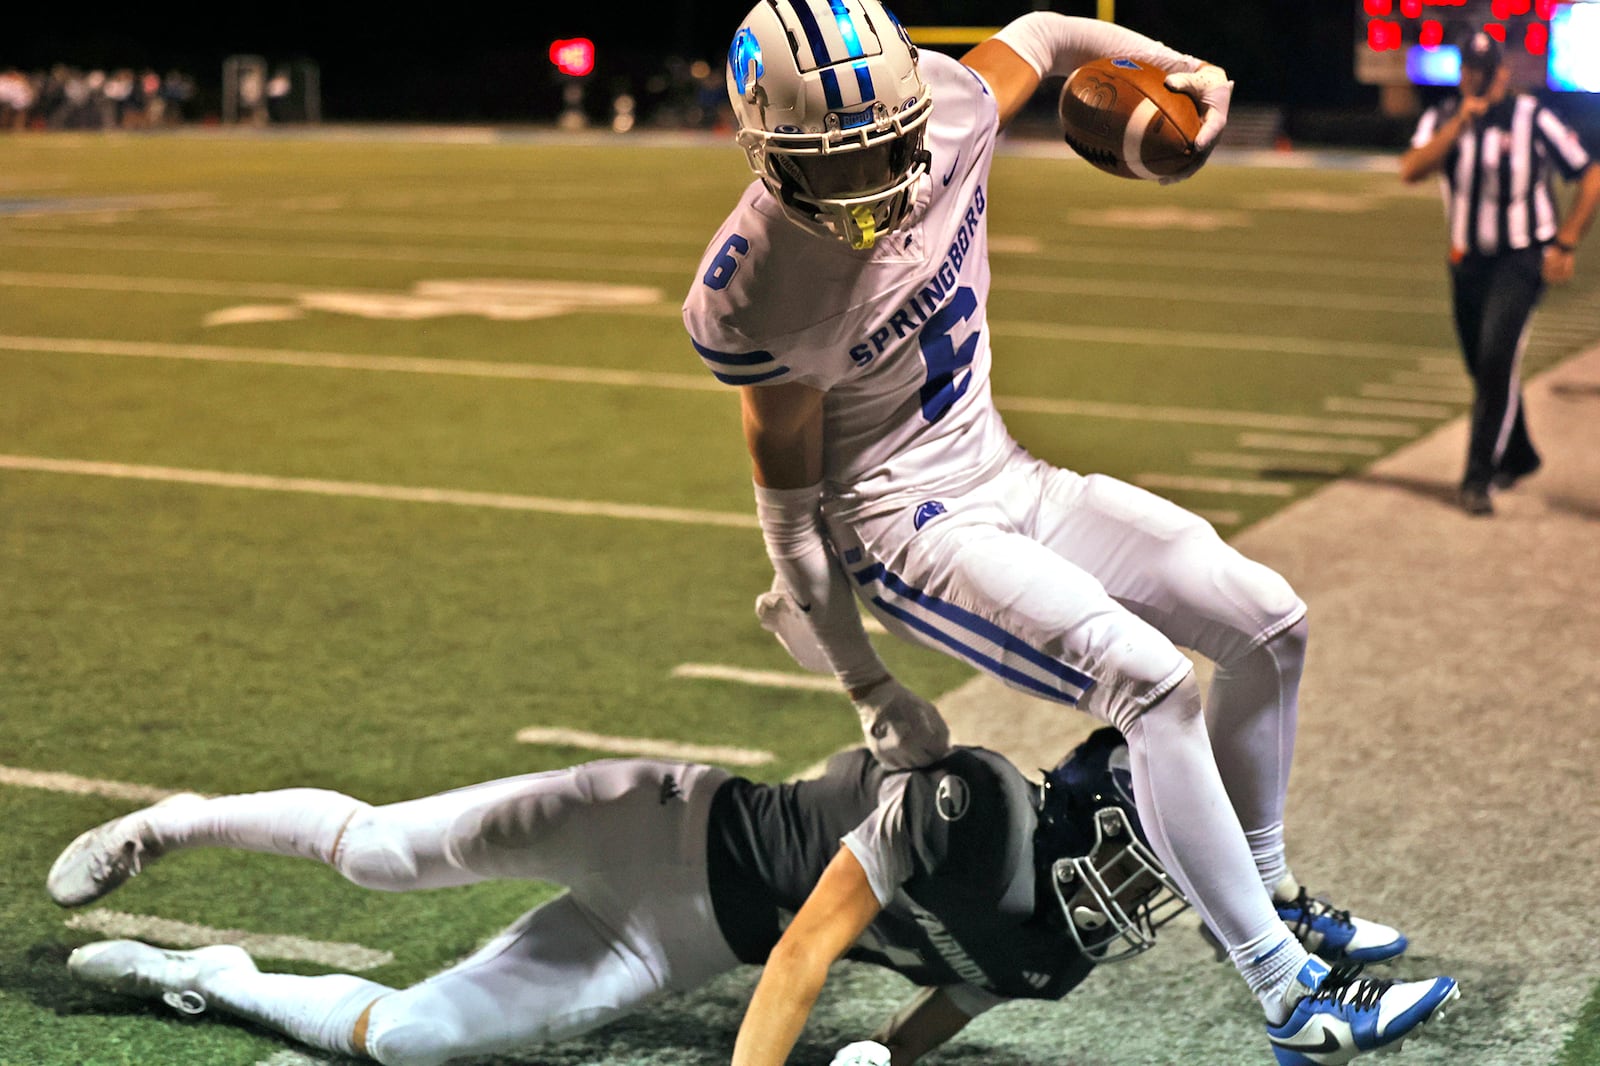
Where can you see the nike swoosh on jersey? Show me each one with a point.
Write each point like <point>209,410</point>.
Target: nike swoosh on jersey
<point>1329,1043</point>
<point>952,172</point>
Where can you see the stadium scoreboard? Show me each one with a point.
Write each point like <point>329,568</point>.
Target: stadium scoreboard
<point>1554,42</point>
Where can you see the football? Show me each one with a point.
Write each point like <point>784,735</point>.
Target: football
<point>1118,115</point>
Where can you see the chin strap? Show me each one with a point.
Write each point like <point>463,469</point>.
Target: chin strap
<point>867,227</point>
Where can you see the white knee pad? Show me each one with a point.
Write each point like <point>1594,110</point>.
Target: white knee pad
<point>374,855</point>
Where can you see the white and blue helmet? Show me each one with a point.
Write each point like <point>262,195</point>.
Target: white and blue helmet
<point>831,113</point>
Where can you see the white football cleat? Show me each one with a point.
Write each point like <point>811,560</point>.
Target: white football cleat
<point>177,978</point>
<point>102,858</point>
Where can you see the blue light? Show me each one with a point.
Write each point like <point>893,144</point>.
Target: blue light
<point>744,50</point>
<point>1440,65</point>
<point>1575,48</point>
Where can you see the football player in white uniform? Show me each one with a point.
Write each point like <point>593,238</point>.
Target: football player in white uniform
<point>845,298</point>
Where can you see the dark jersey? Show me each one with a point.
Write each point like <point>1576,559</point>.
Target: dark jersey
<point>948,849</point>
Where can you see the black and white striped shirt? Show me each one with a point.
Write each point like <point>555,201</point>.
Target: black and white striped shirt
<point>1496,179</point>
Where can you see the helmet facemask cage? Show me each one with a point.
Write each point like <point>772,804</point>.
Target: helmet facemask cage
<point>1109,887</point>
<point>832,113</point>
<point>1116,896</point>
<point>854,185</point>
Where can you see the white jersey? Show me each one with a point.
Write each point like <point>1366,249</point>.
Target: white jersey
<point>897,336</point>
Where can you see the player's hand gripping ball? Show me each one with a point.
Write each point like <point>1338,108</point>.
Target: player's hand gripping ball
<point>1120,116</point>
<point>862,1053</point>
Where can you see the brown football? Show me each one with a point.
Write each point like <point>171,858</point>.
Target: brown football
<point>1118,115</point>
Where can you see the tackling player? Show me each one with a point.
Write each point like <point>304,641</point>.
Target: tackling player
<point>965,877</point>
<point>845,298</point>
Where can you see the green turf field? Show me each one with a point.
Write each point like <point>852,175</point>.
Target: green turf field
<point>303,480</point>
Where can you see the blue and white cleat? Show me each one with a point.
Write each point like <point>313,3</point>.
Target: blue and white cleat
<point>1334,934</point>
<point>1348,1015</point>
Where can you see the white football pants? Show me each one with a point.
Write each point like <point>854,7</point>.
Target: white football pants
<point>1079,590</point>
<point>626,837</point>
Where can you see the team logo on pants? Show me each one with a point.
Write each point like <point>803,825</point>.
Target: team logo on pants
<point>926,512</point>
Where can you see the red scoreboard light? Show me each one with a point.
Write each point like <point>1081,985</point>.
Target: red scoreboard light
<point>574,56</point>
<point>1403,42</point>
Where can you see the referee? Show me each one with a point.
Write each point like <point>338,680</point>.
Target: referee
<point>1494,150</point>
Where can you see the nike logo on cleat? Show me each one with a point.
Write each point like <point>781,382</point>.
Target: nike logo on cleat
<point>1329,1043</point>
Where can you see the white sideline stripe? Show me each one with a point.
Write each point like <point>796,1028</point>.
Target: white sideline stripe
<point>1228,342</point>
<point>1275,441</point>
<point>294,1058</point>
<point>352,957</point>
<point>1253,461</point>
<point>206,353</point>
<point>1222,485</point>
<point>364,490</point>
<point>759,678</point>
<point>656,749</point>
<point>628,378</point>
<point>83,786</point>
<point>1440,393</point>
<point>1395,408</point>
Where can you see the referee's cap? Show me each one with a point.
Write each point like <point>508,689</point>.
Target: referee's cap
<point>1481,52</point>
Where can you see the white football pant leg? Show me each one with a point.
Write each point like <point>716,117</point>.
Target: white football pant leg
<point>556,973</point>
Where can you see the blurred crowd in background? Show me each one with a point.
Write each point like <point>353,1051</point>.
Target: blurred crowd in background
<point>67,98</point>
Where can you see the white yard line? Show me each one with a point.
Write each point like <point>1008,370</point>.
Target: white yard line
<point>1314,445</point>
<point>1322,300</point>
<point>341,956</point>
<point>756,678</point>
<point>82,786</point>
<point>645,746</point>
<point>364,490</point>
<point>166,286</point>
<point>1256,461</point>
<point>1440,393</point>
<point>1221,485</point>
<point>637,379</point>
<point>1389,408</point>
<point>1228,342</point>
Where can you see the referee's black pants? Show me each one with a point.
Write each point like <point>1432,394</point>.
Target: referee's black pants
<point>1494,300</point>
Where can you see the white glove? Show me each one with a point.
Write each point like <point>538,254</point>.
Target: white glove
<point>782,617</point>
<point>902,729</point>
<point>862,1053</point>
<point>1212,92</point>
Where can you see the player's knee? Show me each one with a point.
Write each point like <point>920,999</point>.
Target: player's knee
<point>1173,702</point>
<point>400,1036</point>
<point>1257,602</point>
<point>374,855</point>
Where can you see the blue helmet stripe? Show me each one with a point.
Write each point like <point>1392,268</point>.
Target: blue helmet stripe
<point>830,90</point>
<point>847,29</point>
<point>808,23</point>
<point>864,82</point>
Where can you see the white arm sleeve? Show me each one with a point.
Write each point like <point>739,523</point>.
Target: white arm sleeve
<point>1055,44</point>
<point>820,587</point>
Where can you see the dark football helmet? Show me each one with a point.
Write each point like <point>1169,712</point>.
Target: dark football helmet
<point>1113,891</point>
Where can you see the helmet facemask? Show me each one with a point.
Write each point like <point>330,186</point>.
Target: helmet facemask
<point>855,185</point>
<point>1105,882</point>
<point>1116,896</point>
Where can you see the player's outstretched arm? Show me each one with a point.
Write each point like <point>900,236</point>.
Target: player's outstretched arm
<point>830,920</point>
<point>1042,44</point>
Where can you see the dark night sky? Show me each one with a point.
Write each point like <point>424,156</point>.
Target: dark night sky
<point>491,63</point>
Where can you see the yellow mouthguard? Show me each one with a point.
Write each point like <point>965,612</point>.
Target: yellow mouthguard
<point>868,226</point>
